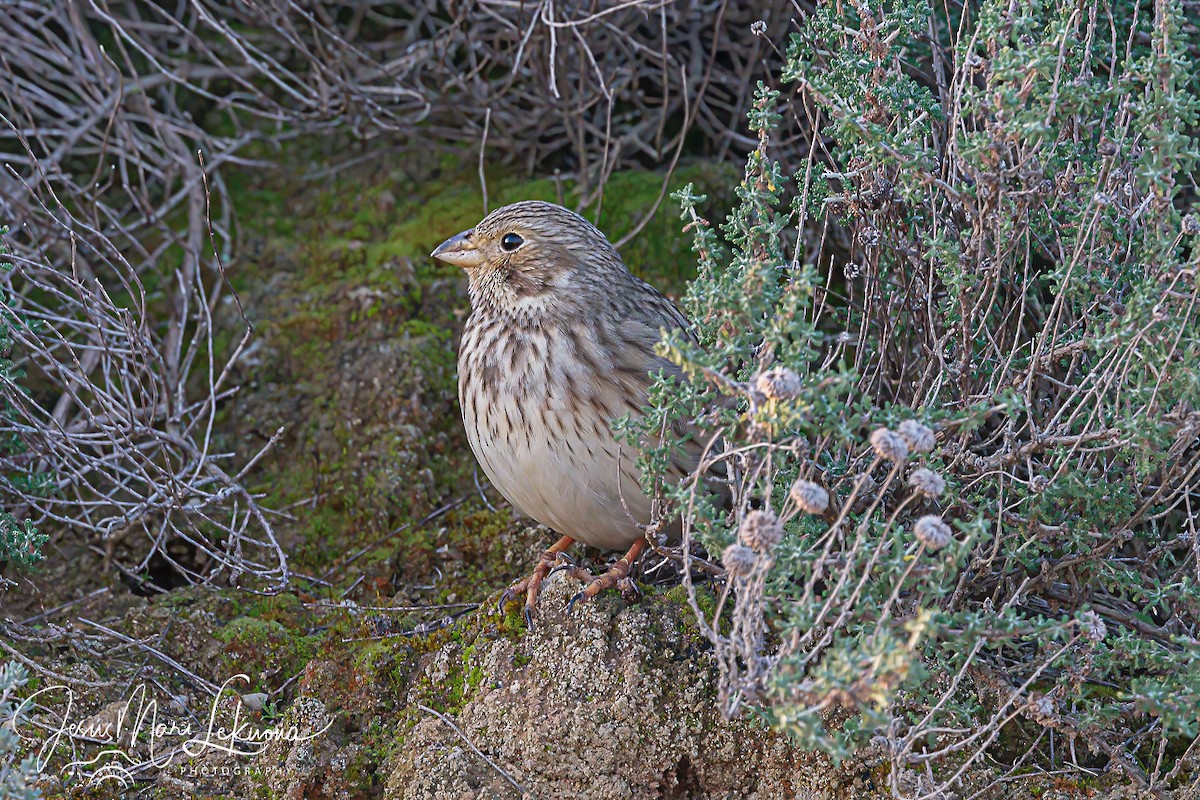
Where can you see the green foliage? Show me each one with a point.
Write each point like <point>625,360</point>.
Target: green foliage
<point>20,543</point>
<point>17,778</point>
<point>987,241</point>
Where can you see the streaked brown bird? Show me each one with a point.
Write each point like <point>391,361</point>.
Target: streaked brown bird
<point>559,343</point>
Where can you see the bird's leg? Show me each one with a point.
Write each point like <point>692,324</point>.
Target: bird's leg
<point>531,585</point>
<point>616,573</point>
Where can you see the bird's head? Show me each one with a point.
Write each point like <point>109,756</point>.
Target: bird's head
<point>524,251</point>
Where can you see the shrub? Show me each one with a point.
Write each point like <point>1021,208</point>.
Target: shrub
<point>20,542</point>
<point>981,290</point>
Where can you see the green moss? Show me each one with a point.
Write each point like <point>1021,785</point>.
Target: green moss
<point>472,553</point>
<point>661,253</point>
<point>371,678</point>
<point>286,609</point>
<point>449,694</point>
<point>363,772</point>
<point>264,649</point>
<point>677,596</point>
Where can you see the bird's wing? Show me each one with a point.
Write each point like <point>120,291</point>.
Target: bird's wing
<point>636,361</point>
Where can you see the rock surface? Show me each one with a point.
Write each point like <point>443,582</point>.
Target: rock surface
<point>604,702</point>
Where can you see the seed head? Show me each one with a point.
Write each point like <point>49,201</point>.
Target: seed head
<point>809,497</point>
<point>918,437</point>
<point>739,560</point>
<point>1041,708</point>
<point>932,532</point>
<point>889,445</point>
<point>1191,225</point>
<point>760,531</point>
<point>1094,625</point>
<point>758,28</point>
<point>778,383</point>
<point>927,482</point>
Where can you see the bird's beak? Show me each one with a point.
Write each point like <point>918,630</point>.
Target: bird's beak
<point>459,250</point>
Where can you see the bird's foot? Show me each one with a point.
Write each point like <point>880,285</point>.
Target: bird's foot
<point>617,575</point>
<point>532,585</point>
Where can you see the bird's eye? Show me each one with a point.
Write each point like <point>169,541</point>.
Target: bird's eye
<point>510,242</point>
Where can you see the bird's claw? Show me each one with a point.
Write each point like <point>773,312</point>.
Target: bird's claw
<point>571,605</point>
<point>629,590</point>
<point>531,585</point>
<point>513,592</point>
<point>510,594</point>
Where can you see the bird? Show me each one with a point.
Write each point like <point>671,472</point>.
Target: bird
<point>561,341</point>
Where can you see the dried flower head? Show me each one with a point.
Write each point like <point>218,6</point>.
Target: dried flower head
<point>778,383</point>
<point>758,28</point>
<point>1039,484</point>
<point>1094,625</point>
<point>1041,708</point>
<point>932,532</point>
<point>1191,225</point>
<point>889,445</point>
<point>927,482</point>
<point>760,531</point>
<point>739,560</point>
<point>919,437</point>
<point>810,497</point>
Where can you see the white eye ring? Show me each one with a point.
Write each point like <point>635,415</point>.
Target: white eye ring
<point>511,242</point>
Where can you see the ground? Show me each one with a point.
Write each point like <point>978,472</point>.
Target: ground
<point>392,641</point>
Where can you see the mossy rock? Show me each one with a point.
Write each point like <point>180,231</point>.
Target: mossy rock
<point>263,649</point>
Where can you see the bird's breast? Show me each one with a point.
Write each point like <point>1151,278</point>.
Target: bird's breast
<point>537,407</point>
